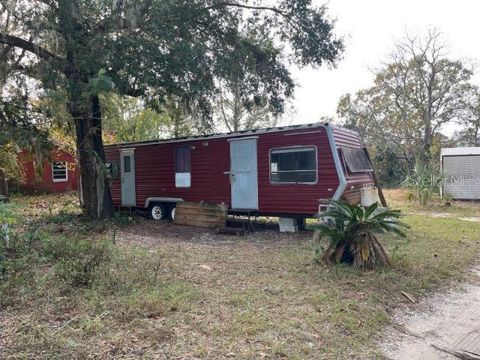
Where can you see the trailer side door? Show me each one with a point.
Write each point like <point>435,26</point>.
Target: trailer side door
<point>243,174</point>
<point>127,165</point>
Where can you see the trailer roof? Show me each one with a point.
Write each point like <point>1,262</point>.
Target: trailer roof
<point>229,134</point>
<point>460,151</point>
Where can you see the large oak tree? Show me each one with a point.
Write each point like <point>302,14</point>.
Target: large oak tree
<point>160,48</point>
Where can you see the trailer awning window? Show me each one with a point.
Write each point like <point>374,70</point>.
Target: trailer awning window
<point>183,160</point>
<point>59,171</point>
<point>356,160</point>
<point>293,165</point>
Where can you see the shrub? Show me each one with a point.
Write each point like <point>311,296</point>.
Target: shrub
<point>351,231</point>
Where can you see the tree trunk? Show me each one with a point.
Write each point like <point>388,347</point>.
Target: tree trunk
<point>96,197</point>
<point>84,107</point>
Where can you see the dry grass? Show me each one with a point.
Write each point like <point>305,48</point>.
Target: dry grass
<point>399,199</point>
<point>168,291</point>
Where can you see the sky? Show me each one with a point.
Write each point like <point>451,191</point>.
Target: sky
<point>370,29</point>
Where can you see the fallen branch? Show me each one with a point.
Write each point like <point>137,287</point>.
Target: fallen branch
<point>409,297</point>
<point>65,324</point>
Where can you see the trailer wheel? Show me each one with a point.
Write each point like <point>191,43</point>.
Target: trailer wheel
<point>157,211</point>
<point>172,212</point>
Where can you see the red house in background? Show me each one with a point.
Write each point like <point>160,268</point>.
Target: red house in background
<point>59,173</point>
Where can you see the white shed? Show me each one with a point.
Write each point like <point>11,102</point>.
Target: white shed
<point>462,167</point>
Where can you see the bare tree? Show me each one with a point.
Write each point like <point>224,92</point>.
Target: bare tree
<point>429,86</point>
<point>469,135</point>
<point>416,92</point>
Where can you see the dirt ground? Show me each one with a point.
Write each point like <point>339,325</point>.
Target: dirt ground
<point>146,232</point>
<point>446,326</point>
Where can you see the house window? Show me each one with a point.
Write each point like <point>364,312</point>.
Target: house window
<point>59,171</point>
<point>356,160</point>
<point>296,165</point>
<point>183,159</point>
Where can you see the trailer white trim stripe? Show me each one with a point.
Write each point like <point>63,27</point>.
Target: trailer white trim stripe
<point>338,165</point>
<point>161,199</point>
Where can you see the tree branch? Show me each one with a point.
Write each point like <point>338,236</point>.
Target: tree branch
<point>120,20</point>
<point>275,10</point>
<point>244,6</point>
<point>29,46</point>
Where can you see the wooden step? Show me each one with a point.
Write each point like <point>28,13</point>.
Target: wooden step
<point>201,214</point>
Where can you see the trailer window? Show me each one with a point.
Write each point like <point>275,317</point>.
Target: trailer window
<point>356,160</point>
<point>183,159</point>
<point>293,166</point>
<point>59,171</point>
<point>127,164</point>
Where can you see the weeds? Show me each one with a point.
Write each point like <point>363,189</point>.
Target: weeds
<point>69,285</point>
<point>424,182</point>
<point>122,219</point>
<point>79,261</point>
<point>8,216</point>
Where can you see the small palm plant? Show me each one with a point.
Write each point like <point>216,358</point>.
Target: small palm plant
<point>425,181</point>
<point>351,231</point>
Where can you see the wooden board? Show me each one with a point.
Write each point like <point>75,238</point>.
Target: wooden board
<point>200,214</point>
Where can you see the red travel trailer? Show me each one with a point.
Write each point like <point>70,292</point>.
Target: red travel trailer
<point>282,171</point>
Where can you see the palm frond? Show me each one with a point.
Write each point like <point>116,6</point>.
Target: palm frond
<point>383,214</point>
<point>371,209</point>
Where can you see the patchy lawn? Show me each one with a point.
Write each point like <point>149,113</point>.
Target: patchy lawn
<point>134,288</point>
<point>399,199</point>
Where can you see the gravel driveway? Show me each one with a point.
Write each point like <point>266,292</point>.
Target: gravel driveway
<point>446,327</point>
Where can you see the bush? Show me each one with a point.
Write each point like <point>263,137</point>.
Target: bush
<point>424,182</point>
<point>351,231</point>
<point>35,258</point>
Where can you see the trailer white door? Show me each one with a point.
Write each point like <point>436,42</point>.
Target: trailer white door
<point>463,176</point>
<point>127,166</point>
<point>243,174</point>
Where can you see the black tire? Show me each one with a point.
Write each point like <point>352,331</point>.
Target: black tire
<point>157,211</point>
<point>171,212</point>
